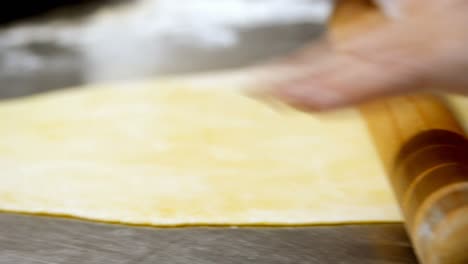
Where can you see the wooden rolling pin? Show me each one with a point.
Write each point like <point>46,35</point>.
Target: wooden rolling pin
<point>424,151</point>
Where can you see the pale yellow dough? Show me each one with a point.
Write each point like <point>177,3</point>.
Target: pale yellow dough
<point>175,153</point>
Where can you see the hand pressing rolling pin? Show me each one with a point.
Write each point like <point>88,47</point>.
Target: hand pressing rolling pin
<point>414,46</point>
<point>422,45</point>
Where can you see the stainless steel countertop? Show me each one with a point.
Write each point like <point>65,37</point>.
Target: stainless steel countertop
<point>38,239</point>
<point>39,65</point>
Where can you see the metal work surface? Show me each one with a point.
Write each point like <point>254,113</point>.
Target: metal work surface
<point>40,64</point>
<point>37,239</point>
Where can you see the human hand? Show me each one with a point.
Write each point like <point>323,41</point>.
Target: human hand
<point>423,46</point>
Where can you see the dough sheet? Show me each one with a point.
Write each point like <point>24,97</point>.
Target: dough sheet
<point>170,153</point>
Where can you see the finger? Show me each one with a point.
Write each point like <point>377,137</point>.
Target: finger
<point>292,66</point>
<point>301,58</point>
<point>313,51</point>
<point>343,80</point>
<point>380,64</point>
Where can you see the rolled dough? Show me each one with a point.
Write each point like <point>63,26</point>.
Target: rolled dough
<point>184,153</point>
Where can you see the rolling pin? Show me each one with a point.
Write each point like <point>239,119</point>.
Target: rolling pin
<point>424,152</point>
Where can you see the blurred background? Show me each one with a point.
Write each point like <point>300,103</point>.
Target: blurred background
<point>51,44</point>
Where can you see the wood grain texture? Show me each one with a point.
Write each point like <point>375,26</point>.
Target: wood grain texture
<point>434,200</point>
